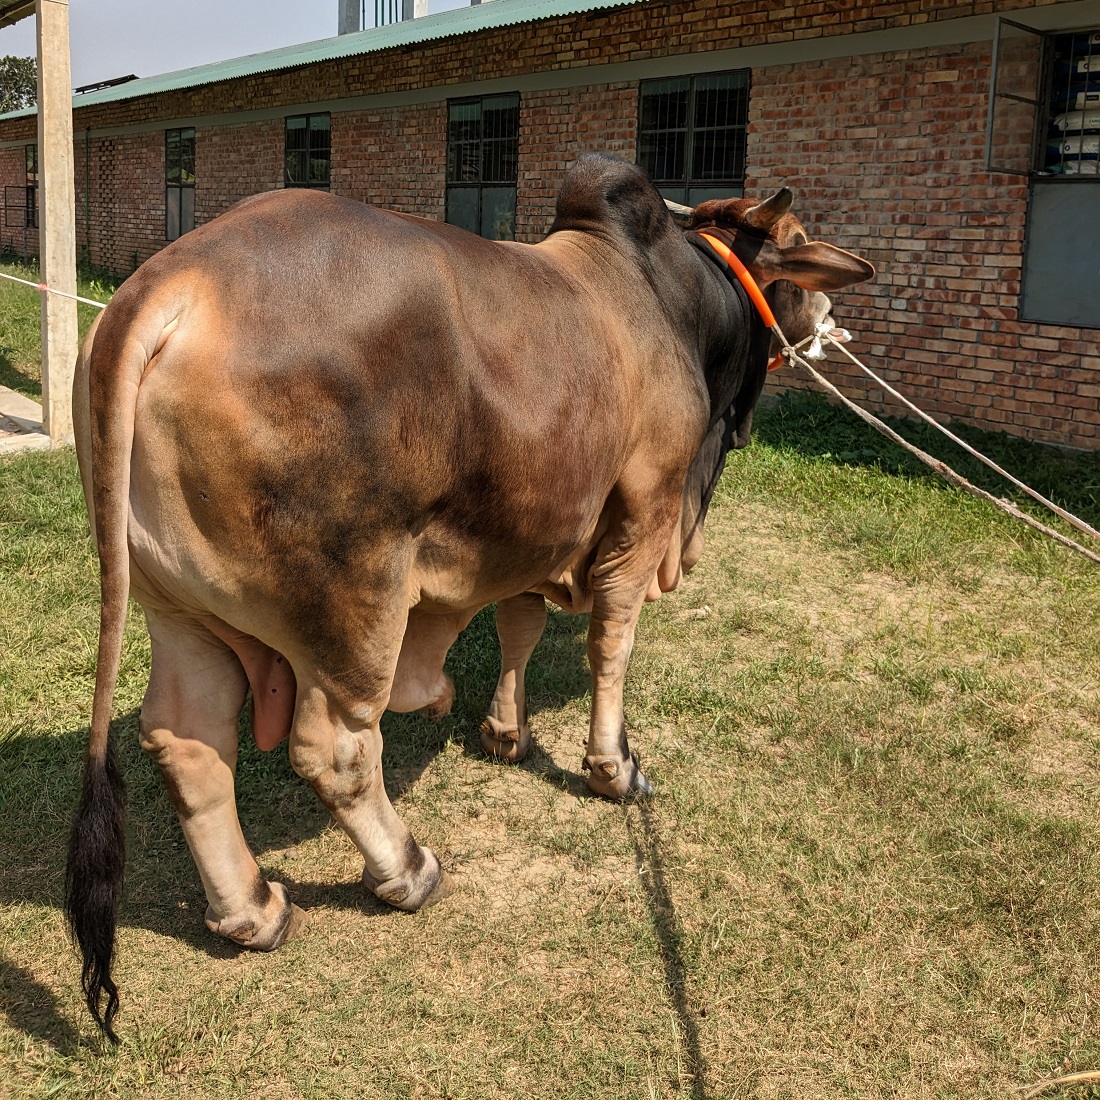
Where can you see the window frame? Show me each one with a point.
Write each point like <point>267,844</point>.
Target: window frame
<point>309,182</point>
<point>453,186</point>
<point>681,188</point>
<point>1048,112</point>
<point>178,190</point>
<point>995,95</point>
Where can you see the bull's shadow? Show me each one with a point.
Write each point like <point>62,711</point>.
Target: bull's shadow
<point>33,1009</point>
<point>40,781</point>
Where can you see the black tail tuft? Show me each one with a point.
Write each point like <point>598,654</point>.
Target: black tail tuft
<point>93,880</point>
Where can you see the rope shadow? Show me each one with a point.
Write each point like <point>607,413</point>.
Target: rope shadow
<point>648,848</point>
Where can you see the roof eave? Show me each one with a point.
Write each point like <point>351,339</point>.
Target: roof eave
<point>13,11</point>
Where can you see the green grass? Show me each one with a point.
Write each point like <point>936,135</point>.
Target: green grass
<point>872,869</point>
<point>20,322</point>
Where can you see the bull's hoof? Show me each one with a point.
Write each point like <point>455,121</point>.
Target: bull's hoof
<point>262,931</point>
<point>619,780</point>
<point>411,892</point>
<point>509,745</point>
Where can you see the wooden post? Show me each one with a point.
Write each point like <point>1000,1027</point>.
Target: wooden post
<point>57,218</point>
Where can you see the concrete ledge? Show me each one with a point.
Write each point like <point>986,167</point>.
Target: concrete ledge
<point>20,423</point>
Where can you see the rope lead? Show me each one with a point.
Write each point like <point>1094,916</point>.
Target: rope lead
<point>790,353</point>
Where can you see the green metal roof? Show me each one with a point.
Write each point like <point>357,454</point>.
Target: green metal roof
<point>485,16</point>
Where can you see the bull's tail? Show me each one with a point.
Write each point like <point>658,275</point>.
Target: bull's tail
<point>93,875</point>
<point>97,845</point>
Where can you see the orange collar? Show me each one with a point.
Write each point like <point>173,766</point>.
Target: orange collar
<point>751,286</point>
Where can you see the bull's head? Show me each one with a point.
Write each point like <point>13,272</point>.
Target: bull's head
<point>795,275</point>
<point>794,272</point>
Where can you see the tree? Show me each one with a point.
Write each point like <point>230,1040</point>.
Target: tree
<point>18,83</point>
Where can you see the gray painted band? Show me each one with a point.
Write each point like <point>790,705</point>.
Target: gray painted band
<point>920,36</point>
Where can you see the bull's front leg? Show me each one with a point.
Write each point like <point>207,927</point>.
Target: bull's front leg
<point>612,768</point>
<point>505,733</point>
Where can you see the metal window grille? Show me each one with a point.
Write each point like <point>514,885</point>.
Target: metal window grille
<point>1072,132</point>
<point>483,165</point>
<point>17,213</point>
<point>179,182</point>
<point>30,219</point>
<point>691,134</point>
<point>308,157</point>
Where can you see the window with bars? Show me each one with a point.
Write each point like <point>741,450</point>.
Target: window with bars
<point>1073,130</point>
<point>308,151</point>
<point>1043,122</point>
<point>179,182</point>
<point>691,135</point>
<point>483,164</point>
<point>31,217</point>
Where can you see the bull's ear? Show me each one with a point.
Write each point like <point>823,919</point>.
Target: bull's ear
<point>814,266</point>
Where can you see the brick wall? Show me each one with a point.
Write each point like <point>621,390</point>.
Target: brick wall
<point>126,199</point>
<point>555,128</point>
<point>119,200</point>
<point>395,158</point>
<point>231,163</point>
<point>885,154</point>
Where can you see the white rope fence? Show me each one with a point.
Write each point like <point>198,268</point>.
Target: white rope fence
<point>50,290</point>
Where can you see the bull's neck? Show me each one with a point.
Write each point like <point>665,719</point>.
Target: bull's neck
<point>734,337</point>
<point>734,356</point>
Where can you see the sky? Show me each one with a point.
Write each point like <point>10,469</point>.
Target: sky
<point>112,38</point>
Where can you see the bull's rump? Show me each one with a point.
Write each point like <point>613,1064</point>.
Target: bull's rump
<point>357,400</point>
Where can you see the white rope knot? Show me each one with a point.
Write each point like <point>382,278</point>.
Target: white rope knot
<point>816,349</point>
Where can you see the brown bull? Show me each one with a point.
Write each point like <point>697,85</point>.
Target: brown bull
<point>316,438</point>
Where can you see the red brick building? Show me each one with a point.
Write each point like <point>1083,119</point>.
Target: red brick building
<point>878,114</point>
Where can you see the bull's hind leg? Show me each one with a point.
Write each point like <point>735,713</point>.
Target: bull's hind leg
<point>189,727</point>
<point>419,683</point>
<point>336,745</point>
<point>505,733</point>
